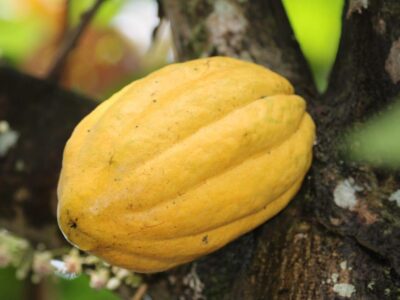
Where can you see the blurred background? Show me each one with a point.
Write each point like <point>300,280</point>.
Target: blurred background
<point>120,45</point>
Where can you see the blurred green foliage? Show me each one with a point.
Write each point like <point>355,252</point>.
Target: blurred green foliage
<point>79,289</point>
<point>22,33</point>
<point>378,141</point>
<point>317,26</point>
<point>103,17</point>
<point>10,287</point>
<point>61,289</point>
<point>19,37</point>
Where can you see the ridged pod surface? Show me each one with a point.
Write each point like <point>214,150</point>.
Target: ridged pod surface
<point>183,161</point>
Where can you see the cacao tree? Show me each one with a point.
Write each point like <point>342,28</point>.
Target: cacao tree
<point>339,238</point>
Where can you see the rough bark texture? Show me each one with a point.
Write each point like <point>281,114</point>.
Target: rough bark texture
<point>362,83</point>
<point>315,249</point>
<point>320,247</point>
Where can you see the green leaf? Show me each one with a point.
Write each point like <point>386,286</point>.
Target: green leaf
<point>14,287</point>
<point>19,38</point>
<point>378,141</point>
<point>79,289</point>
<point>317,26</point>
<point>103,16</point>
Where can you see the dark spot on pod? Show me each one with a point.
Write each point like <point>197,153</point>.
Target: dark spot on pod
<point>205,239</point>
<point>73,223</point>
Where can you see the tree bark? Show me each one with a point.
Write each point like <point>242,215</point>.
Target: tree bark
<point>314,249</point>
<point>363,82</point>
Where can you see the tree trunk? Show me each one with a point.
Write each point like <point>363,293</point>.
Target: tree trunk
<point>323,245</point>
<point>318,247</point>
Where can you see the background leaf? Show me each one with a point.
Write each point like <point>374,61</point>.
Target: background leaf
<point>19,37</point>
<point>317,26</point>
<point>378,141</point>
<point>103,17</point>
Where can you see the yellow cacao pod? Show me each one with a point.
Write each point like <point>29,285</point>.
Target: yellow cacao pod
<point>183,161</point>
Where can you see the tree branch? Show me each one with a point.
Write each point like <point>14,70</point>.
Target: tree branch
<point>363,81</point>
<point>65,21</point>
<point>304,261</point>
<point>292,256</point>
<point>71,41</point>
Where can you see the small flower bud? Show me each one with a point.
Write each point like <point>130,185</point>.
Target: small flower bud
<point>42,263</point>
<point>73,262</point>
<point>5,257</point>
<point>98,279</point>
<point>113,283</point>
<point>120,273</point>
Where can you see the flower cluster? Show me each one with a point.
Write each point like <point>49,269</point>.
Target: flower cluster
<point>67,263</point>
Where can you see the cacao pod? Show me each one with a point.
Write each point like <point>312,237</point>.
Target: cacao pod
<point>183,161</point>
